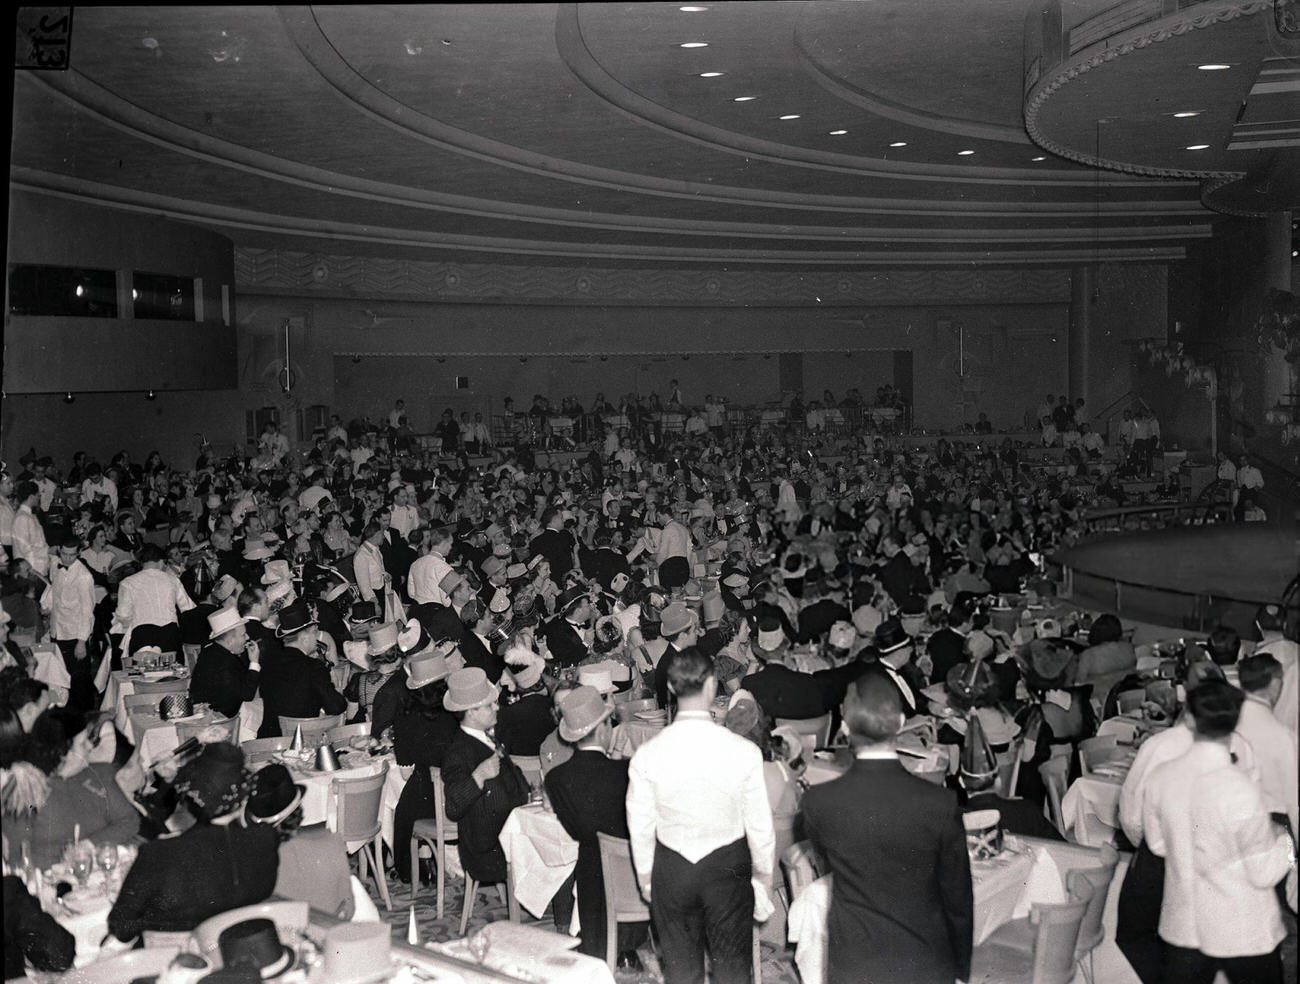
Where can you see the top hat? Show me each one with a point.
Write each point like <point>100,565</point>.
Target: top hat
<point>256,549</point>
<point>295,618</point>
<point>599,677</point>
<point>227,587</point>
<point>413,638</point>
<point>223,620</point>
<point>469,688</point>
<point>890,636</point>
<point>430,667</point>
<point>675,618</point>
<point>255,943</point>
<point>277,570</point>
<point>769,636</point>
<point>492,565</point>
<point>274,795</point>
<point>581,712</point>
<point>382,638</point>
<point>364,611</point>
<point>569,598</point>
<point>450,582</point>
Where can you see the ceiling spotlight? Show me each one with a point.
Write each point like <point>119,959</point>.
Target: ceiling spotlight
<point>1213,68</point>
<point>744,99</point>
<point>1186,114</point>
<point>1198,146</point>
<point>1037,159</point>
<point>712,75</point>
<point>80,291</point>
<point>899,143</point>
<point>694,44</point>
<point>789,116</point>
<point>838,133</point>
<point>964,153</point>
<point>151,395</point>
<point>692,10</point>
<point>69,398</point>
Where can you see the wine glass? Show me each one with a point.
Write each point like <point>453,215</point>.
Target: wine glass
<point>107,858</point>
<point>83,861</point>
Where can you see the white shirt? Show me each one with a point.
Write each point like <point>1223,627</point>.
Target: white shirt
<point>674,541</point>
<point>368,569</point>
<point>424,577</point>
<point>1092,441</point>
<point>29,541</point>
<point>1274,751</point>
<point>1249,477</point>
<point>1227,472</point>
<point>150,597</point>
<point>105,486</point>
<point>404,519</point>
<point>72,601</point>
<point>47,489</point>
<point>1222,855</point>
<point>6,522</point>
<point>696,787</point>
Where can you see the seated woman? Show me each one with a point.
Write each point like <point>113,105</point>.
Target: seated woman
<point>81,793</point>
<point>313,860</point>
<point>32,936</point>
<point>747,719</point>
<point>214,866</point>
<point>1109,656</point>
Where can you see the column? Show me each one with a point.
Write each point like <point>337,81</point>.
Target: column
<point>1082,283</point>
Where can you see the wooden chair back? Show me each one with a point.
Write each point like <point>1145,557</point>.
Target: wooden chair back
<point>1056,934</point>
<point>314,730</point>
<point>345,733</point>
<point>263,749</point>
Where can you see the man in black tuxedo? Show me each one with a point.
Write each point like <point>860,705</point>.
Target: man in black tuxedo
<point>901,906</point>
<point>481,782</point>
<point>297,684</point>
<point>567,633</point>
<point>556,544</point>
<point>780,691</point>
<point>947,647</point>
<point>587,793</point>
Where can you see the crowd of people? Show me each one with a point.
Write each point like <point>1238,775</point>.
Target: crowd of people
<point>474,613</point>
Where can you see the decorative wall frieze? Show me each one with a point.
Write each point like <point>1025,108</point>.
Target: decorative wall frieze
<point>427,280</point>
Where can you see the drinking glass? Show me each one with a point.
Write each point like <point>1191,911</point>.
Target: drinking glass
<point>107,858</point>
<point>83,862</point>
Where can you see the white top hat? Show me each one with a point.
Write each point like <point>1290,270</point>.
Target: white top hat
<point>223,620</point>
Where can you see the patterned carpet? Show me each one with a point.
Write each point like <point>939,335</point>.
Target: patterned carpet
<point>777,967</point>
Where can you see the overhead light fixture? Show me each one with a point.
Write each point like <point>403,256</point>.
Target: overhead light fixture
<point>692,10</point>
<point>1187,113</point>
<point>80,290</point>
<point>838,133</point>
<point>694,44</point>
<point>744,99</point>
<point>1198,146</point>
<point>1037,159</point>
<point>712,75</point>
<point>964,153</point>
<point>69,398</point>
<point>151,395</point>
<point>899,143</point>
<point>1213,68</point>
<point>789,116</point>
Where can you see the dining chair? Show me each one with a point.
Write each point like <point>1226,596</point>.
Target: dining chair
<point>181,685</point>
<point>314,730</point>
<point>291,918</point>
<point>1092,884</point>
<point>1039,949</point>
<point>802,866</point>
<point>192,729</point>
<point>345,733</point>
<point>623,902</point>
<point>815,732</point>
<point>436,831</point>
<point>263,749</point>
<point>471,891</point>
<point>1056,775</point>
<point>354,805</point>
<point>1097,751</point>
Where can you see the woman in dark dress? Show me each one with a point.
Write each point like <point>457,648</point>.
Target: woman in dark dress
<point>422,730</point>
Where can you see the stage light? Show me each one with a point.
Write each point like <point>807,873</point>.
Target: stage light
<point>69,398</point>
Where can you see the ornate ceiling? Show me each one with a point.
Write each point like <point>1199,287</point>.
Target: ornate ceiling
<point>588,134</point>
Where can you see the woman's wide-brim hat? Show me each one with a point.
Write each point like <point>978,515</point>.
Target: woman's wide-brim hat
<point>469,688</point>
<point>971,682</point>
<point>1050,660</point>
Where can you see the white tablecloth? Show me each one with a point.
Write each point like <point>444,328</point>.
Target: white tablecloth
<point>530,953</point>
<point>122,685</point>
<point>631,735</point>
<point>315,801</point>
<point>1003,891</point>
<point>1090,810</point>
<point>541,855</point>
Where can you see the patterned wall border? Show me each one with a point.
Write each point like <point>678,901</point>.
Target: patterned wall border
<point>1168,27</point>
<point>426,280</point>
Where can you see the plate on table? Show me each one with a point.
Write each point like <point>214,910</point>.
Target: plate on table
<point>159,676</point>
<point>1112,770</point>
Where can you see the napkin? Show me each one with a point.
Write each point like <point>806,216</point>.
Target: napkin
<point>50,668</point>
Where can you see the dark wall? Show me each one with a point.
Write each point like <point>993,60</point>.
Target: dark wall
<point>61,354</point>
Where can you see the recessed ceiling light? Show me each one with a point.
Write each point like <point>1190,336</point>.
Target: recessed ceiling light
<point>712,75</point>
<point>694,44</point>
<point>838,133</point>
<point>1198,147</point>
<point>1213,68</point>
<point>964,153</point>
<point>899,143</point>
<point>789,116</point>
<point>744,99</point>
<point>1185,114</point>
<point>692,10</point>
<point>1036,159</point>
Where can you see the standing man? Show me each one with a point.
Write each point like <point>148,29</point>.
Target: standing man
<point>149,603</point>
<point>72,619</point>
<point>28,535</point>
<point>901,907</point>
<point>556,544</point>
<point>427,574</point>
<point>1270,622</point>
<point>1223,856</point>
<point>701,832</point>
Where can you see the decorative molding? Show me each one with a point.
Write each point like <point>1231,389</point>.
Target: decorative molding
<point>1174,25</point>
<point>1211,186</point>
<point>426,280</point>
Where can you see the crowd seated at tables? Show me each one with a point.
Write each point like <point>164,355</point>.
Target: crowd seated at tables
<point>471,615</point>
